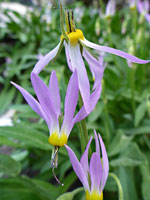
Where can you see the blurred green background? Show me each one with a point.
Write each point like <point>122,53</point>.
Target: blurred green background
<point>30,29</point>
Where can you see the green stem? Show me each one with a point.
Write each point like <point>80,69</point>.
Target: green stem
<point>119,185</point>
<point>83,122</point>
<point>132,84</point>
<point>84,128</point>
<point>106,121</point>
<point>81,137</point>
<point>132,76</point>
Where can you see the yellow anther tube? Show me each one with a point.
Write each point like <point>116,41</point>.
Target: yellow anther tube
<point>74,36</point>
<point>58,140</point>
<point>93,196</point>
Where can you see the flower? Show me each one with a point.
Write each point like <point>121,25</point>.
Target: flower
<point>132,4</point>
<point>48,105</point>
<point>77,48</point>
<point>143,8</point>
<point>110,8</point>
<point>94,175</point>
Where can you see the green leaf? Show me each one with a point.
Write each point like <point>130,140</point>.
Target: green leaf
<point>9,166</point>
<point>6,99</point>
<point>27,136</point>
<point>145,189</point>
<point>128,183</point>
<point>5,141</point>
<point>132,156</point>
<point>23,188</point>
<point>70,195</point>
<point>138,131</point>
<point>139,113</point>
<point>119,143</point>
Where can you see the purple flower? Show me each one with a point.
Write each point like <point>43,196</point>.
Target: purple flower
<point>77,49</point>
<point>110,8</point>
<point>48,105</point>
<point>93,176</point>
<point>132,4</point>
<point>143,8</point>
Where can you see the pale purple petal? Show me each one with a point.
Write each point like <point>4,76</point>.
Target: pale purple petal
<point>84,159</point>
<point>146,4</point>
<point>97,143</point>
<point>43,94</point>
<point>54,93</point>
<point>140,6</point>
<point>68,56</point>
<point>77,168</point>
<point>93,98</point>
<point>147,16</point>
<point>95,171</point>
<point>45,60</point>
<point>105,163</point>
<point>70,102</point>
<point>115,52</point>
<point>110,8</point>
<point>95,66</point>
<point>33,103</point>
<point>83,81</point>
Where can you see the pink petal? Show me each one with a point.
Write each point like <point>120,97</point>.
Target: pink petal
<point>54,92</point>
<point>115,52</point>
<point>95,171</point>
<point>84,159</point>
<point>70,102</point>
<point>78,64</point>
<point>77,168</point>
<point>93,98</point>
<point>33,103</point>
<point>95,66</point>
<point>45,60</point>
<point>44,98</point>
<point>105,163</point>
<point>97,143</point>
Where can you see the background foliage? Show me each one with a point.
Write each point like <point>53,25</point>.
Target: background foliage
<point>122,115</point>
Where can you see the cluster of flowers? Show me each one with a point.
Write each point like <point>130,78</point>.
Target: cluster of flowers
<point>48,106</point>
<point>143,7</point>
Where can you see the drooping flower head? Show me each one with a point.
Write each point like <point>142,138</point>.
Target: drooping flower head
<point>48,105</point>
<point>77,49</point>
<point>49,108</point>
<point>92,175</point>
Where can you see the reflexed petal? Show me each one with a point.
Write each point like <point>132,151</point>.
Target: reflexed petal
<point>67,56</point>
<point>44,98</point>
<point>97,143</point>
<point>78,64</point>
<point>70,102</point>
<point>95,66</point>
<point>95,171</point>
<point>77,167</point>
<point>93,98</point>
<point>33,103</point>
<point>84,159</point>
<point>105,163</point>
<point>54,93</point>
<point>45,60</point>
<point>115,52</point>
